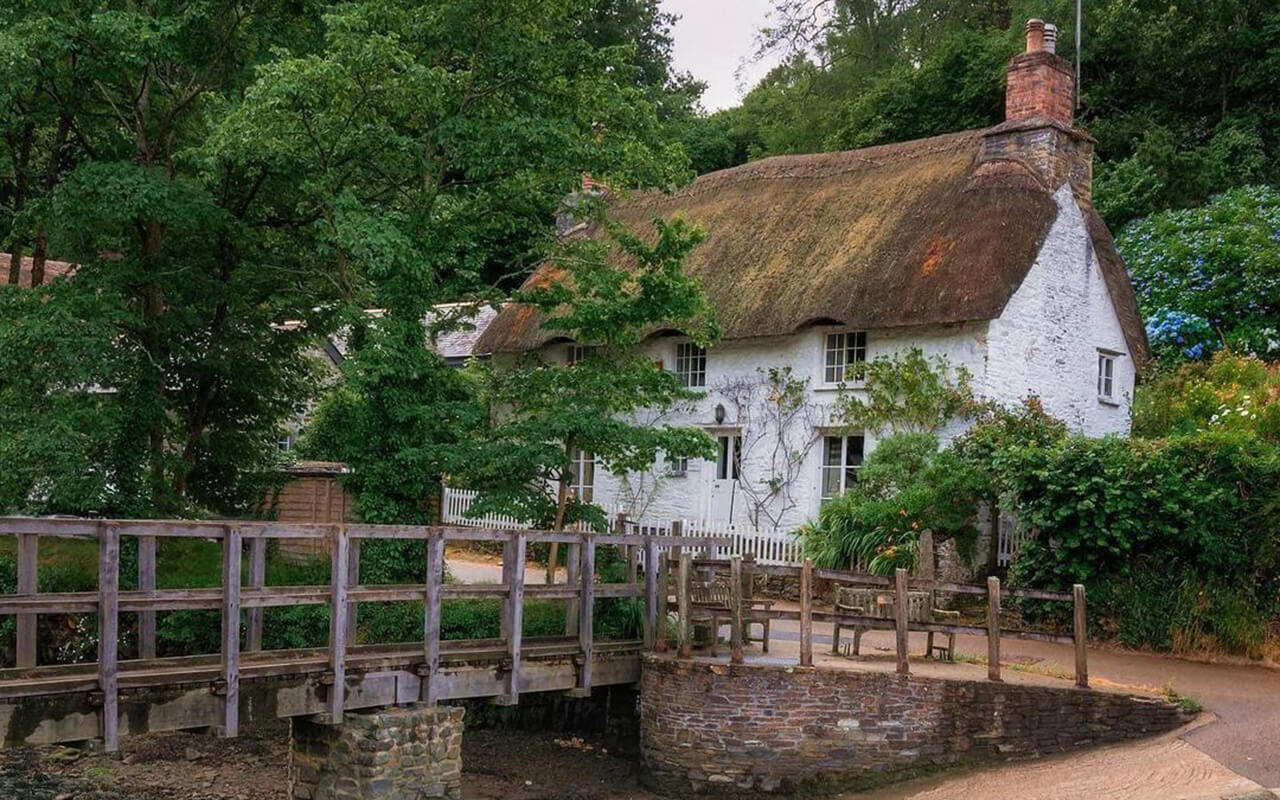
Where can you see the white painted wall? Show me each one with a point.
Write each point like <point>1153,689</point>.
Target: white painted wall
<point>1047,340</point>
<point>1045,343</point>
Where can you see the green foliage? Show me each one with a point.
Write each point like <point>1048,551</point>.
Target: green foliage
<point>1205,507</point>
<point>1218,264</point>
<point>1181,99</point>
<point>907,393</point>
<point>905,487</point>
<point>545,412</point>
<point>1228,393</point>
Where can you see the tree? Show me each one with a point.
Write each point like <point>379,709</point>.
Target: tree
<point>908,393</point>
<point>439,144</point>
<point>605,293</point>
<point>1209,276</point>
<point>188,263</point>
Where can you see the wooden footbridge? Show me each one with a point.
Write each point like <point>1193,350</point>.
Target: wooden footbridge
<point>111,697</point>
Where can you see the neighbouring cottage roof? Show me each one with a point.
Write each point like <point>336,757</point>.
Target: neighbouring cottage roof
<point>456,346</point>
<point>889,236</point>
<point>52,269</point>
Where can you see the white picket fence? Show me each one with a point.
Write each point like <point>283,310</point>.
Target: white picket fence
<point>454,504</point>
<point>769,546</point>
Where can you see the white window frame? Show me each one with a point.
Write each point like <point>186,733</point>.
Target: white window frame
<point>691,364</point>
<point>583,483</point>
<point>1107,376</point>
<point>846,472</point>
<point>675,467</point>
<point>728,461</point>
<point>841,350</point>
<point>577,353</point>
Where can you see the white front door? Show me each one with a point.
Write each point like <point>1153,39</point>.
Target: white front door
<point>725,501</point>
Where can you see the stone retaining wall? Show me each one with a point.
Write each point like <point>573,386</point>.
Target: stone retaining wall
<point>758,729</point>
<point>392,754</point>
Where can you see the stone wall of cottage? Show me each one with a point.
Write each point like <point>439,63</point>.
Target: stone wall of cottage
<point>391,754</point>
<point>1047,340</point>
<point>749,730</point>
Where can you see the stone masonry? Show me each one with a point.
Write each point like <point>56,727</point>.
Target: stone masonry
<point>391,754</point>
<point>756,729</point>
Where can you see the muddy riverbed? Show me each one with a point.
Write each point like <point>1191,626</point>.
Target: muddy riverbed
<point>498,765</point>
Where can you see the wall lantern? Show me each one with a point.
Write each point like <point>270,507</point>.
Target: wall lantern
<point>719,414</point>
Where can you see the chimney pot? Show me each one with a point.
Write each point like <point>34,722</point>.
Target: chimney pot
<point>1035,35</point>
<point>1050,37</point>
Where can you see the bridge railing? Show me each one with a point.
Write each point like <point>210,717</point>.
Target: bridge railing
<point>243,588</point>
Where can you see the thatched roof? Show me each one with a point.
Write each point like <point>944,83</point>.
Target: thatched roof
<point>52,269</point>
<point>891,236</point>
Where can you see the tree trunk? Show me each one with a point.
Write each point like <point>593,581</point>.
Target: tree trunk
<point>20,163</point>
<point>562,505</point>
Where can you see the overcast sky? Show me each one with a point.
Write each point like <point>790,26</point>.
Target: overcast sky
<point>713,38</point>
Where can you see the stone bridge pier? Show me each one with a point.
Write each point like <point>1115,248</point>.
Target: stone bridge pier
<point>398,753</point>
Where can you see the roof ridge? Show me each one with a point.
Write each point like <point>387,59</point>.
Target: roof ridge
<point>793,165</point>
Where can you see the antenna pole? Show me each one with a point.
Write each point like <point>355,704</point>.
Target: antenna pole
<point>1077,55</point>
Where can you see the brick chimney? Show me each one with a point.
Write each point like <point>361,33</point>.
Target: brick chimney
<point>1041,83</point>
<point>1038,131</point>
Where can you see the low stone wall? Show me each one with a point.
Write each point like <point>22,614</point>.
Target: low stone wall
<point>757,729</point>
<point>393,754</point>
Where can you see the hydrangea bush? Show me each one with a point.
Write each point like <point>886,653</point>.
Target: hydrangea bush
<point>1209,275</point>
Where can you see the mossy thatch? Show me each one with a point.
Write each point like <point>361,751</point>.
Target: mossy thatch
<point>891,236</point>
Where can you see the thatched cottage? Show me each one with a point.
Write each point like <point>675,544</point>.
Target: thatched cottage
<point>982,246</point>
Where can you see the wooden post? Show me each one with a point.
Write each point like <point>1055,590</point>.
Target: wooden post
<point>900,618</point>
<point>664,597</point>
<point>572,608</point>
<point>147,583</point>
<point>651,620</point>
<point>684,641</point>
<point>257,580</point>
<point>587,593</point>
<point>353,579</point>
<point>513,569</point>
<point>993,628</point>
<point>231,554</point>
<point>339,561</point>
<point>749,592</point>
<point>430,689</point>
<point>677,530</point>
<point>806,614</point>
<point>28,583</point>
<point>1081,636</point>
<point>735,609</point>
<point>108,632</point>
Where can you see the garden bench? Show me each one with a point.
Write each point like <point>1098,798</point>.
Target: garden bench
<point>711,604</point>
<point>878,603</point>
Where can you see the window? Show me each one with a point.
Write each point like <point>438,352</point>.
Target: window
<point>846,356</point>
<point>577,353</point>
<point>728,457</point>
<point>676,467</point>
<point>841,460</point>
<point>691,364</point>
<point>1107,377</point>
<point>584,476</point>
<point>285,443</point>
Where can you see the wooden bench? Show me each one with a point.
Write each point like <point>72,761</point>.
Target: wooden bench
<point>710,602</point>
<point>878,603</point>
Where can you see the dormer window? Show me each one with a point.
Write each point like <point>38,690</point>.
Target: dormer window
<point>691,364</point>
<point>845,357</point>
